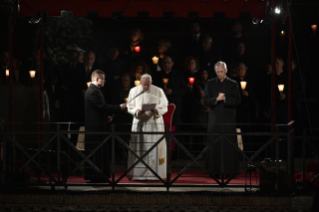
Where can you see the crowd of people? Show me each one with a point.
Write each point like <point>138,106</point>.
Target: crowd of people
<point>66,84</point>
<point>197,98</point>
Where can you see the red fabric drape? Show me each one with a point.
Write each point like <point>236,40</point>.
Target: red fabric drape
<point>155,8</point>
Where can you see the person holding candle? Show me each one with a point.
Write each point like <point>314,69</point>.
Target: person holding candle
<point>147,121</point>
<point>134,48</point>
<point>191,75</point>
<point>95,107</point>
<point>4,63</point>
<point>281,96</point>
<point>222,97</point>
<point>138,69</point>
<point>164,46</point>
<point>246,110</point>
<point>199,113</point>
<point>175,88</point>
<point>19,78</point>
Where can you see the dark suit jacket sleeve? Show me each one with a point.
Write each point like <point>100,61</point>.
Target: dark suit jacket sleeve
<point>233,98</point>
<point>209,98</point>
<point>98,100</point>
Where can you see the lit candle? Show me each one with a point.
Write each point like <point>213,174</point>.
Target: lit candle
<point>155,60</point>
<point>282,33</point>
<point>32,73</point>
<point>88,84</point>
<point>243,85</point>
<point>191,81</point>
<point>314,28</point>
<point>281,88</point>
<point>7,72</point>
<point>137,82</point>
<point>137,48</point>
<point>125,100</point>
<point>165,81</point>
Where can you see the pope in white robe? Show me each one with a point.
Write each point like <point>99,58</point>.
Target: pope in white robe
<point>147,121</point>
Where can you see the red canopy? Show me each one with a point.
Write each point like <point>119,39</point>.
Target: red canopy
<point>155,8</point>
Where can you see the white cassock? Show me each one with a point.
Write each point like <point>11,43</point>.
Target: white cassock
<point>147,122</point>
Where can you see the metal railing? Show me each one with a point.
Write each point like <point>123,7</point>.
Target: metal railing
<point>47,156</point>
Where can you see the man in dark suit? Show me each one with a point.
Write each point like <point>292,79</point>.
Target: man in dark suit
<point>95,107</point>
<point>113,68</point>
<point>176,87</point>
<point>222,96</point>
<point>194,42</point>
<point>208,56</point>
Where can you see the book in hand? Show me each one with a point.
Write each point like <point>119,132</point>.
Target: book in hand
<point>148,107</point>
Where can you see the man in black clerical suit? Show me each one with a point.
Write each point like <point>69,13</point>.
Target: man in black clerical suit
<point>222,96</point>
<point>95,107</point>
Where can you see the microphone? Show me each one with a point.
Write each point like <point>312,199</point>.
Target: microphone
<point>135,96</point>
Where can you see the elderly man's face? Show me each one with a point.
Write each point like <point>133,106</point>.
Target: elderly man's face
<point>89,59</point>
<point>167,64</point>
<point>221,72</point>
<point>279,65</point>
<point>206,44</point>
<point>146,84</point>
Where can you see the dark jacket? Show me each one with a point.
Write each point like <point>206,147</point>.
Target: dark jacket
<point>176,82</point>
<point>95,107</point>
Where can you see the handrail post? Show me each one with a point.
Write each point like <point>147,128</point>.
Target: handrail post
<point>304,156</point>
<point>222,155</point>
<point>290,154</point>
<point>168,157</point>
<point>58,150</point>
<point>4,147</point>
<point>277,158</point>
<point>113,158</point>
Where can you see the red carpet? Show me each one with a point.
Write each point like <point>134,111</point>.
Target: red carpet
<point>189,177</point>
